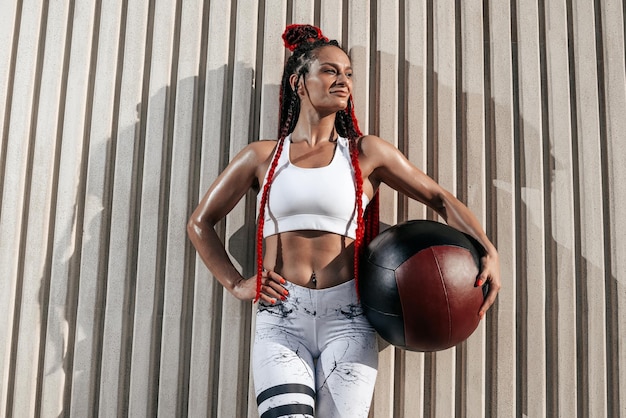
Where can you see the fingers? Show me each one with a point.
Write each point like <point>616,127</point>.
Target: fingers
<point>271,287</point>
<point>481,279</point>
<point>486,305</point>
<point>494,288</point>
<point>490,273</point>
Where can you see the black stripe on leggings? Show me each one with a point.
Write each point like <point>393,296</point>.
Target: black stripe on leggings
<point>282,389</point>
<point>288,410</point>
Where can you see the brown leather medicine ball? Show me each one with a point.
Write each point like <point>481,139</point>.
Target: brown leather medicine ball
<point>417,285</point>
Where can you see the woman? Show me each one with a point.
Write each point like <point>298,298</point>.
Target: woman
<point>315,353</point>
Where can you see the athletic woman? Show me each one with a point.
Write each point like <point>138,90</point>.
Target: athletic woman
<point>315,354</point>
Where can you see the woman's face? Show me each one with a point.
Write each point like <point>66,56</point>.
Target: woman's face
<point>328,84</point>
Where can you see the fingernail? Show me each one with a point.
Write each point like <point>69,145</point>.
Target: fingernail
<point>282,281</point>
<point>479,282</point>
<point>285,292</point>
<point>283,298</point>
<point>273,301</point>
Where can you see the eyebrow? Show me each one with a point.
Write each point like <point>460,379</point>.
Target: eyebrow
<point>332,64</point>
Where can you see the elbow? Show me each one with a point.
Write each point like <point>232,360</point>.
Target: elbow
<point>199,227</point>
<point>194,228</point>
<point>191,227</point>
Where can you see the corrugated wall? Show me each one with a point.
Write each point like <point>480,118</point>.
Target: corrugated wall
<point>116,115</point>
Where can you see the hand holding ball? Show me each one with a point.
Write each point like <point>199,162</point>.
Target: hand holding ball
<point>417,285</point>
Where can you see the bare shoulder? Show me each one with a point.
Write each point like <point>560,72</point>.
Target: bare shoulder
<point>255,154</point>
<point>370,143</point>
<point>372,147</point>
<point>258,156</point>
<point>260,150</point>
<point>263,144</point>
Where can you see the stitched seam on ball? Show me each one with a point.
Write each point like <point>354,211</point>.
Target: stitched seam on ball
<point>445,292</point>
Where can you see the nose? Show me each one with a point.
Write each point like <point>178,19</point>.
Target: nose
<point>343,79</point>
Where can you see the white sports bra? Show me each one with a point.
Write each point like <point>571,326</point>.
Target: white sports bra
<point>320,199</point>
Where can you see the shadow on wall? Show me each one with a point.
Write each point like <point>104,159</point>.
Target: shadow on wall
<point>123,245</point>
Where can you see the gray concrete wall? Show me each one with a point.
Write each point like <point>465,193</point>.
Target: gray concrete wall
<point>116,115</point>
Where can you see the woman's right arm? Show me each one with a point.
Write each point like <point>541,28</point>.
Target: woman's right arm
<point>225,192</point>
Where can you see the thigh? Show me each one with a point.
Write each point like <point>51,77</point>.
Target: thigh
<point>283,369</point>
<point>346,372</point>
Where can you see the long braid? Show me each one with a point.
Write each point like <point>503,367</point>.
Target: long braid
<point>358,240</point>
<point>367,220</point>
<point>371,216</point>
<point>261,221</point>
<point>283,132</point>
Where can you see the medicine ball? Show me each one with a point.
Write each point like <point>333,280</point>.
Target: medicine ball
<point>417,285</point>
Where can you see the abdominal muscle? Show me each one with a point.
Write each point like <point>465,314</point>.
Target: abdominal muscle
<point>301,256</point>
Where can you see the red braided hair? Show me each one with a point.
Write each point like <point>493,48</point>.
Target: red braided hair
<point>302,40</point>
<point>360,229</point>
<point>371,217</point>
<point>367,220</point>
<point>295,35</point>
<point>261,221</point>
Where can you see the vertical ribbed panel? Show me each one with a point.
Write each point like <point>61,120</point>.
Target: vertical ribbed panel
<point>116,116</point>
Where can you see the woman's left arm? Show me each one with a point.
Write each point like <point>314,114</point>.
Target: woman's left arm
<point>382,162</point>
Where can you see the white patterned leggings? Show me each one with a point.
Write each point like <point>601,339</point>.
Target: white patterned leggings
<point>315,354</point>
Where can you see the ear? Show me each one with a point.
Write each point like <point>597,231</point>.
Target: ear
<point>293,82</point>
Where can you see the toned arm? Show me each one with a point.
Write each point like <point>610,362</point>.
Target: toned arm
<point>384,163</point>
<point>226,191</point>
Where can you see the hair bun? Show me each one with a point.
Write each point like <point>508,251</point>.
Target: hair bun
<point>296,35</point>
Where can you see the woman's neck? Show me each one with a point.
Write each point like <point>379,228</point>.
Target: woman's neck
<point>314,130</point>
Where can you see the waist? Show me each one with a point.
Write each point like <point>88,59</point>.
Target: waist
<point>310,259</point>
